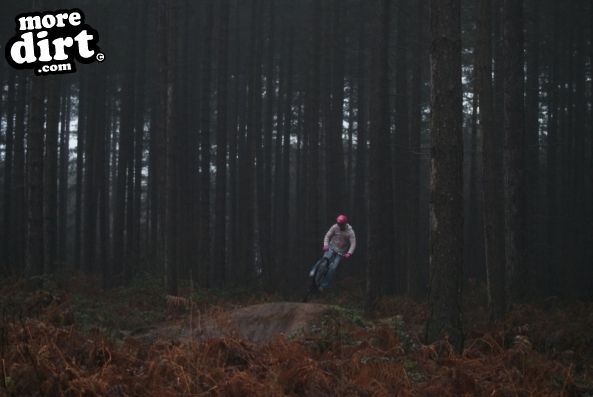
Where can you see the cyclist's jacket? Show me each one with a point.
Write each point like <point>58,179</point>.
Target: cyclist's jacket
<point>341,240</point>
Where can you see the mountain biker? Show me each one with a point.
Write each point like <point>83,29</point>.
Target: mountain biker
<point>339,242</point>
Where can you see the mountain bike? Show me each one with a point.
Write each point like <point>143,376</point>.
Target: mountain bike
<point>317,275</point>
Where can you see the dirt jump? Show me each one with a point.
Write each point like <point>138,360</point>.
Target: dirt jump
<point>260,323</point>
<point>256,323</point>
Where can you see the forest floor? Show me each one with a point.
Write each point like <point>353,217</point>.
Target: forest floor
<point>72,340</point>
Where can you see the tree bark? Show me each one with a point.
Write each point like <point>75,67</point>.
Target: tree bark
<point>398,273</point>
<point>531,155</point>
<point>312,175</point>
<point>446,243</point>
<point>50,174</point>
<point>265,159</point>
<point>491,193</point>
<point>205,147</point>
<point>63,182</point>
<point>380,173</point>
<point>7,249</point>
<point>360,196</point>
<point>417,273</point>
<point>335,175</point>
<point>222,131</point>
<point>514,140</point>
<point>35,174</point>
<point>20,192</point>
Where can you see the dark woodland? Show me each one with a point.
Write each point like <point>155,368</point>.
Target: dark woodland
<point>197,168</point>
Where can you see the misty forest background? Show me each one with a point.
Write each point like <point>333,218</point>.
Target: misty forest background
<point>219,139</point>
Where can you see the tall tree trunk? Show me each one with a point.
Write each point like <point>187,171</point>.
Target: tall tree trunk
<point>401,164</point>
<point>63,182</point>
<point>360,206</point>
<point>380,173</point>
<point>20,194</point>
<point>335,175</point>
<point>473,254</point>
<point>531,155</point>
<point>80,171</point>
<point>164,148</point>
<point>35,174</point>
<point>139,120</point>
<point>312,177</point>
<point>265,160</point>
<point>552,157</point>
<point>578,265</point>
<point>285,214</point>
<point>247,171</point>
<point>121,233</point>
<point>491,193</point>
<point>104,132</point>
<point>590,231</point>
<point>50,174</point>
<point>204,218</point>
<point>417,272</point>
<point>234,248</point>
<point>446,245</point>
<point>185,134</point>
<point>222,131</point>
<point>94,129</point>
<point>514,140</point>
<point>7,249</point>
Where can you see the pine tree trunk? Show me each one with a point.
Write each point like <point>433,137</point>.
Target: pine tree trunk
<point>514,140</point>
<point>381,231</point>
<point>265,159</point>
<point>122,203</point>
<point>247,171</point>
<point>532,197</point>
<point>417,272</point>
<point>80,170</point>
<point>7,249</point>
<point>218,270</point>
<point>578,265</point>
<point>312,177</point>
<point>285,214</point>
<point>446,242</point>
<point>20,207</point>
<point>50,175</point>
<point>552,157</point>
<point>398,274</point>
<point>335,174</point>
<point>590,231</point>
<point>491,193</point>
<point>63,182</point>
<point>139,146</point>
<point>35,139</point>
<point>234,247</point>
<point>360,196</point>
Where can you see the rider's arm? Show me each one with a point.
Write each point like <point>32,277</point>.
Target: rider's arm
<point>352,242</point>
<point>329,235</point>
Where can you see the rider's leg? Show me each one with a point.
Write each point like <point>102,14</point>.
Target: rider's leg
<point>333,265</point>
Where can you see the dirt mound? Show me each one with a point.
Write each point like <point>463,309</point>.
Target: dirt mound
<point>256,323</point>
<point>260,323</point>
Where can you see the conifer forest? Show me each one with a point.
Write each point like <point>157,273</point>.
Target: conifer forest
<point>296,198</point>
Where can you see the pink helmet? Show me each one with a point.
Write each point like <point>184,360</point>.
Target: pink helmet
<point>342,219</point>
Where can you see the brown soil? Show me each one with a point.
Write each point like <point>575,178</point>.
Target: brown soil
<point>261,323</point>
<point>256,323</point>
